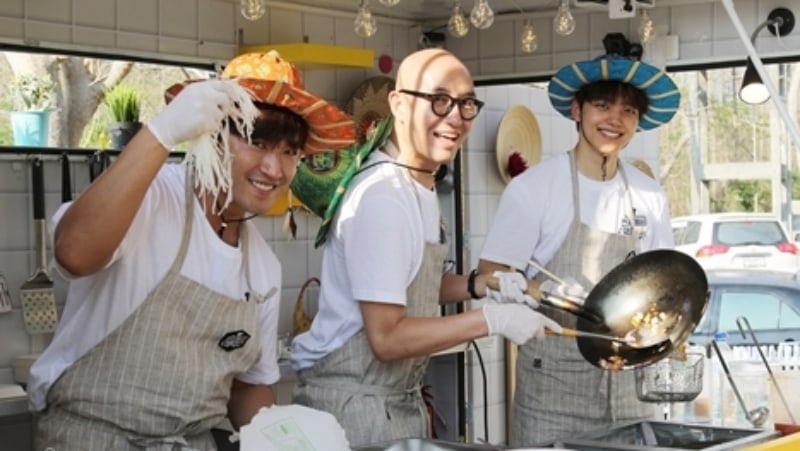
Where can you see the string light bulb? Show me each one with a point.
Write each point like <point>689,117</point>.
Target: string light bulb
<point>481,16</point>
<point>646,27</point>
<point>389,2</point>
<point>458,25</point>
<point>528,41</point>
<point>253,9</point>
<point>564,23</point>
<point>365,25</point>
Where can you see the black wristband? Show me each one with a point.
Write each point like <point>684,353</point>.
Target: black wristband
<point>471,284</point>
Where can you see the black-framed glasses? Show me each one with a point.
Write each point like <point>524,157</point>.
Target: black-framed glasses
<point>442,104</point>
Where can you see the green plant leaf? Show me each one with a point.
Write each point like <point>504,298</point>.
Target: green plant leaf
<point>124,103</point>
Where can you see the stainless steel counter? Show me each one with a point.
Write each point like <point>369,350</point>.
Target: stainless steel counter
<point>419,444</point>
<point>13,406</point>
<point>16,424</point>
<point>658,435</point>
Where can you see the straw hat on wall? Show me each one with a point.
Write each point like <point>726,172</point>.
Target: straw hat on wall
<point>519,142</point>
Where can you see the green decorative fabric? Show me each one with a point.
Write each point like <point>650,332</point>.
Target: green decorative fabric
<point>322,180</point>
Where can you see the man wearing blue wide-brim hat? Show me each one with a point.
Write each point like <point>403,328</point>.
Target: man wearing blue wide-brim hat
<point>579,214</point>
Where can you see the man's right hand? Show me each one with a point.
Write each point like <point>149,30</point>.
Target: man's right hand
<point>517,323</point>
<point>198,109</point>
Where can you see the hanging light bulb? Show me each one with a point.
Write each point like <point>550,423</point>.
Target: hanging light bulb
<point>253,9</point>
<point>528,39</point>
<point>458,25</point>
<point>365,24</point>
<point>389,2</point>
<point>646,27</point>
<point>564,23</point>
<point>482,16</point>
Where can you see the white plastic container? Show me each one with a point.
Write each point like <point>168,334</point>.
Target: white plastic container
<point>789,382</point>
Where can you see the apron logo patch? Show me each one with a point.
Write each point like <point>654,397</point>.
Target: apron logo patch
<point>233,340</point>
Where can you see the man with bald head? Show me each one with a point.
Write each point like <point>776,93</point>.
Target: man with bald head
<point>383,277</point>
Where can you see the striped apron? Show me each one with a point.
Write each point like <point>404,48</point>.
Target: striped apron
<point>558,393</point>
<point>376,401</point>
<point>162,379</point>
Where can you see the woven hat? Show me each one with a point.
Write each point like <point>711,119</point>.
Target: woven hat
<point>271,79</point>
<point>322,180</point>
<point>662,94</point>
<point>369,104</point>
<point>519,142</point>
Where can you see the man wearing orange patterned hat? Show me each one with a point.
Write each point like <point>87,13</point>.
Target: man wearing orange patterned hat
<point>171,315</point>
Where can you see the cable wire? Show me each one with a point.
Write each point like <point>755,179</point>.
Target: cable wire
<point>485,391</point>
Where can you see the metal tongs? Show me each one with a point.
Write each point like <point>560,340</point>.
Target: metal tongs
<point>743,320</point>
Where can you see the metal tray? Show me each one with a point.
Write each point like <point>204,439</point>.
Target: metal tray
<point>421,444</point>
<point>665,436</point>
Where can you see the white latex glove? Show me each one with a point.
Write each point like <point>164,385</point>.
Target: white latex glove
<point>571,289</point>
<point>198,109</point>
<point>517,323</point>
<point>513,289</point>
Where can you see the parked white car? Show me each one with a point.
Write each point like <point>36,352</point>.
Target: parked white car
<point>736,240</point>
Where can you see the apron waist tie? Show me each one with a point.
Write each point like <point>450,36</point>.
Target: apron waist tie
<point>122,438</point>
<point>168,443</point>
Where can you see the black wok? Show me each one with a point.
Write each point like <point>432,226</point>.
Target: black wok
<point>653,300</point>
<point>654,297</point>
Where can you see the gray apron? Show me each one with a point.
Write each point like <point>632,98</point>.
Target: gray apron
<point>374,401</point>
<point>162,379</point>
<point>558,393</point>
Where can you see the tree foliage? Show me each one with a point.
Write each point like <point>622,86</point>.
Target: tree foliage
<point>720,129</point>
<point>80,119</point>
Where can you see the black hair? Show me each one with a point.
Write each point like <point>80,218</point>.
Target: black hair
<point>277,124</point>
<point>612,90</point>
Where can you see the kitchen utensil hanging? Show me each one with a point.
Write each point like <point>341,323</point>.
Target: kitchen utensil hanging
<point>743,320</point>
<point>66,178</point>
<point>37,295</point>
<point>758,416</point>
<point>98,163</point>
<point>5,296</point>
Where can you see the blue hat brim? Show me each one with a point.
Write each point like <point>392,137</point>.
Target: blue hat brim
<point>663,95</point>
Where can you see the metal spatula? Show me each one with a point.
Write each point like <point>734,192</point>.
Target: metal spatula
<point>38,297</point>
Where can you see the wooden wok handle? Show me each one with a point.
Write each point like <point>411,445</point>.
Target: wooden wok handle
<point>565,332</point>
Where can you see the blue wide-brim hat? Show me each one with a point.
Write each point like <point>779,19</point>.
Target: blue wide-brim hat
<point>663,96</point>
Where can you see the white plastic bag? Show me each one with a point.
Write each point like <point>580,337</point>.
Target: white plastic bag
<point>293,428</point>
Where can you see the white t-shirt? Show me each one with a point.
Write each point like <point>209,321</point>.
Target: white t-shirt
<point>536,211</point>
<point>373,252</point>
<point>98,304</point>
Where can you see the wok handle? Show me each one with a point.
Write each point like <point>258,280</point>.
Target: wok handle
<point>574,333</point>
<point>552,300</point>
<point>565,332</point>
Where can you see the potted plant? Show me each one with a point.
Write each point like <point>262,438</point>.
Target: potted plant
<point>33,101</point>
<point>124,105</point>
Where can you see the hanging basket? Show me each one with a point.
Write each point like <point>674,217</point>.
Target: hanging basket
<point>302,320</point>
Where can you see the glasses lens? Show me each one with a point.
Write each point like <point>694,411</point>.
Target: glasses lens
<point>468,107</point>
<point>442,104</point>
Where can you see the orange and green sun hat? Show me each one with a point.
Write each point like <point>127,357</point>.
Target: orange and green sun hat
<point>271,79</point>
